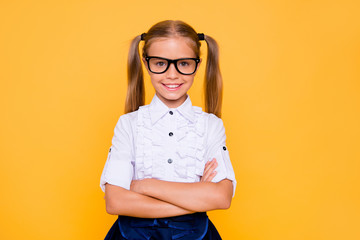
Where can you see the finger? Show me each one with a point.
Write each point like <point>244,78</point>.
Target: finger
<point>209,164</point>
<point>209,170</point>
<point>209,177</point>
<point>206,169</point>
<point>212,175</point>
<point>212,167</point>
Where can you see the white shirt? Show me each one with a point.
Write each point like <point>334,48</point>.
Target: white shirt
<point>171,144</point>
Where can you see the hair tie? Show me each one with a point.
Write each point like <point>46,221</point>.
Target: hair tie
<point>143,36</point>
<point>201,36</point>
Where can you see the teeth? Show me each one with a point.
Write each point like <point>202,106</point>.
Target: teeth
<point>172,86</point>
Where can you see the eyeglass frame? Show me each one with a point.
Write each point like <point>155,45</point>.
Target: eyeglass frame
<point>174,61</point>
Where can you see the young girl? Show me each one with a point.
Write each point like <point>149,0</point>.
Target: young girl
<point>168,163</point>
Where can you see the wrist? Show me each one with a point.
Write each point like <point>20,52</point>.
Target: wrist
<point>145,186</point>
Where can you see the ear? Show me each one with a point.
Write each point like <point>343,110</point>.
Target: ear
<point>146,65</point>
<point>200,62</point>
<point>198,66</point>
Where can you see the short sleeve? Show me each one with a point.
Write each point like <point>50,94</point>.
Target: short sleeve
<point>118,169</point>
<point>216,148</point>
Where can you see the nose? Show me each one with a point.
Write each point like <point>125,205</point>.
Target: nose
<point>172,73</point>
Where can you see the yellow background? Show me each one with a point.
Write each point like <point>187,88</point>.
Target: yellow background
<point>291,110</point>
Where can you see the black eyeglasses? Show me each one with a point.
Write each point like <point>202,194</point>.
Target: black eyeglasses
<point>185,66</point>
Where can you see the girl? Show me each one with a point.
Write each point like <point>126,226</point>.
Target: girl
<point>168,163</point>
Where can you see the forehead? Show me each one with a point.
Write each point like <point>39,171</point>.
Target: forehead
<point>174,47</point>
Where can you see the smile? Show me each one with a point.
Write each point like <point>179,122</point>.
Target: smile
<point>172,87</point>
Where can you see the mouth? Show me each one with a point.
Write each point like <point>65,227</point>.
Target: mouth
<point>172,87</point>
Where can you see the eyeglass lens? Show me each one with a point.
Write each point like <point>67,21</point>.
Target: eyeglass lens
<point>184,66</point>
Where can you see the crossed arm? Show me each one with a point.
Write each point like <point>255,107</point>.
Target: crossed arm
<point>152,198</point>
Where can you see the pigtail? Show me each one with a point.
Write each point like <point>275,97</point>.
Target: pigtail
<point>213,81</point>
<point>135,96</point>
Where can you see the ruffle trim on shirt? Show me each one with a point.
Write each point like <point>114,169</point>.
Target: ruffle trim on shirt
<point>143,159</point>
<point>190,147</point>
<point>190,137</point>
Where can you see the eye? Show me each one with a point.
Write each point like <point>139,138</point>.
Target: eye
<point>160,63</point>
<point>184,63</point>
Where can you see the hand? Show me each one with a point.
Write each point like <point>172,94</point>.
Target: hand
<point>139,186</point>
<point>209,171</point>
<point>136,185</point>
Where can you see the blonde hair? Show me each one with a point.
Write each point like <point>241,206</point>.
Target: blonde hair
<point>213,80</point>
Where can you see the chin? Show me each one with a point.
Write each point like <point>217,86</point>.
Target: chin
<point>175,98</point>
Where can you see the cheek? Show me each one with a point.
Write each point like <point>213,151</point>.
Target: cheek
<point>155,78</point>
<point>189,79</point>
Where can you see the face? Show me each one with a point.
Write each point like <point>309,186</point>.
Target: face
<point>171,86</point>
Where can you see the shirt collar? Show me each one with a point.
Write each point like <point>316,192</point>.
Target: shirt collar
<point>158,109</point>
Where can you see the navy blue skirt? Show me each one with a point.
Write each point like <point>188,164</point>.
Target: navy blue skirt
<point>186,227</point>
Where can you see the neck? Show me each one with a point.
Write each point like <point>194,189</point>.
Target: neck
<point>173,103</point>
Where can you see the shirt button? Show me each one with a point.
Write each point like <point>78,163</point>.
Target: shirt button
<point>170,160</point>
<point>171,113</point>
<point>170,134</point>
<point>224,148</point>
